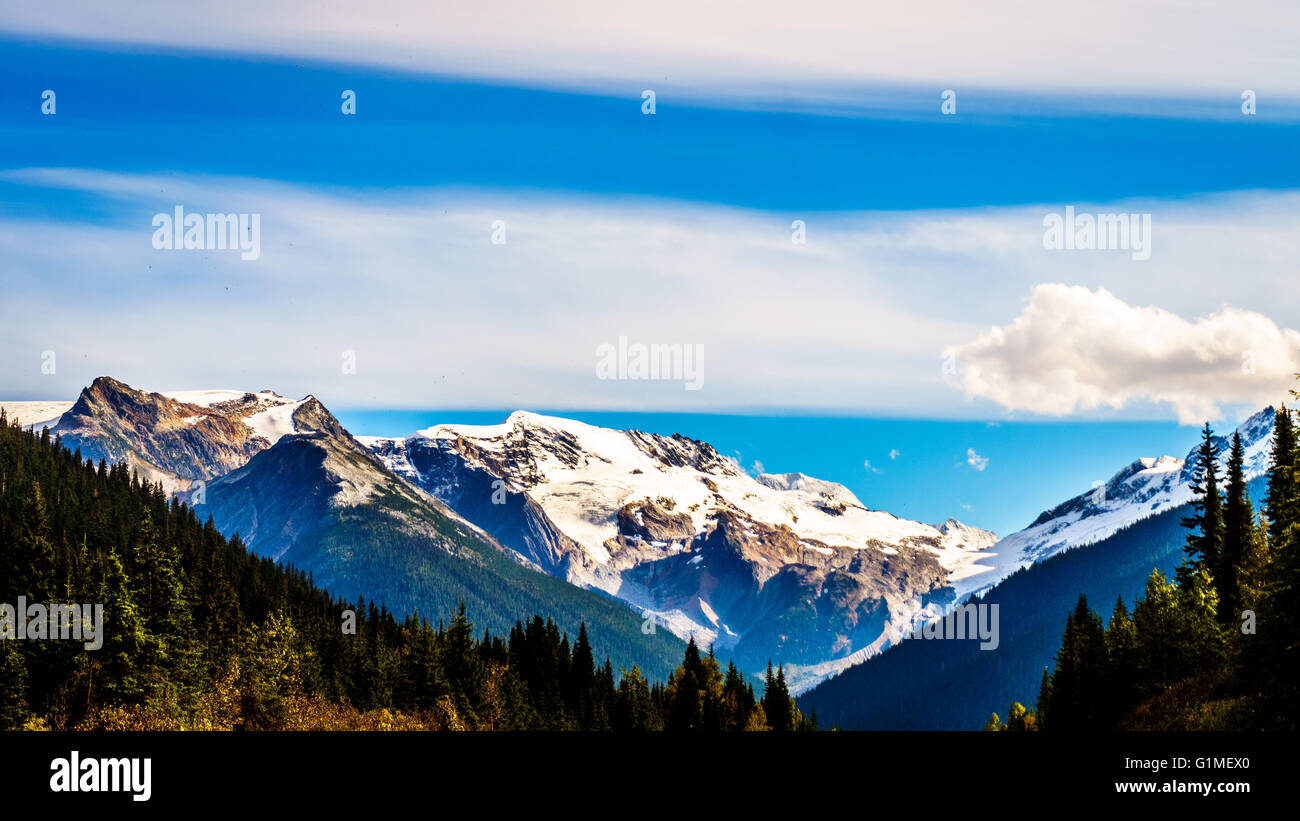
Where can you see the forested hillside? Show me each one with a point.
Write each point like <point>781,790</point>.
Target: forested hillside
<point>198,633</point>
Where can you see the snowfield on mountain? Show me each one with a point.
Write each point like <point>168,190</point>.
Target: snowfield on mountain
<point>783,566</point>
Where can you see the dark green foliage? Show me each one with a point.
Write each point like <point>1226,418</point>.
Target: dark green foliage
<point>1280,504</point>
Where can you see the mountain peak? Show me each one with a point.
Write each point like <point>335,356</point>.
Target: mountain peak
<point>162,437</point>
<point>974,538</point>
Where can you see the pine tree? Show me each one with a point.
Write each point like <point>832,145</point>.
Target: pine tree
<point>1254,568</point>
<point>1238,534</point>
<point>13,686</point>
<point>462,665</point>
<point>1206,523</point>
<point>687,692</point>
<point>582,680</point>
<point>126,639</point>
<point>1042,705</point>
<point>1121,650</point>
<point>776,701</point>
<point>1080,699</point>
<point>737,698</point>
<point>34,553</point>
<point>1281,501</point>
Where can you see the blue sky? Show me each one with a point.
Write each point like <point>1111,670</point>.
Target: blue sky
<point>923,291</point>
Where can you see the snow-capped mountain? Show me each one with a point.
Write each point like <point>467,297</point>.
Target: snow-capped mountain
<point>774,566</point>
<point>182,438</point>
<point>1142,488</point>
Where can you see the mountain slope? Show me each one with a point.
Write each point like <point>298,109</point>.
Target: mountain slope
<point>1143,488</point>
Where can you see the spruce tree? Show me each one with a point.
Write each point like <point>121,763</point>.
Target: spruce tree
<point>13,686</point>
<point>34,553</point>
<point>1041,706</point>
<point>1206,522</point>
<point>1238,535</point>
<point>1121,649</point>
<point>776,702</point>
<point>1280,503</point>
<point>582,680</point>
<point>1080,698</point>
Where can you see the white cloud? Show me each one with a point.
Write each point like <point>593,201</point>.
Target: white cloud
<point>866,463</point>
<point>894,454</point>
<point>975,460</point>
<point>1075,349</point>
<point>763,47</point>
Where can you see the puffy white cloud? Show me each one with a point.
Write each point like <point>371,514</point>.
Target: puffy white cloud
<point>894,454</point>
<point>1075,349</point>
<point>975,460</point>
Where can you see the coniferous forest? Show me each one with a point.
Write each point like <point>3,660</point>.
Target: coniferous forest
<point>199,633</point>
<point>1216,647</point>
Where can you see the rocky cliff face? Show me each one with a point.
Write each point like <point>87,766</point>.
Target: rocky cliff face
<point>165,439</point>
